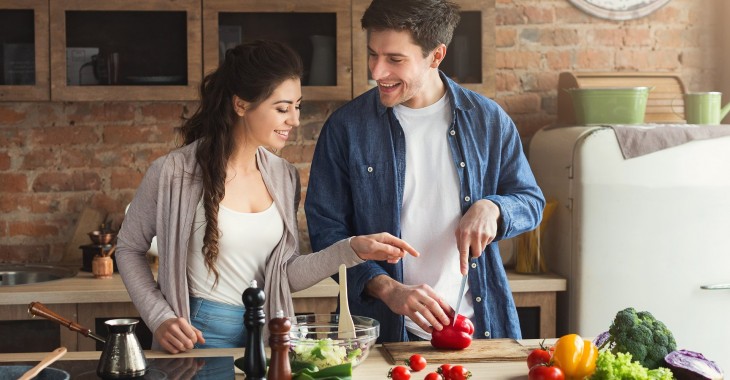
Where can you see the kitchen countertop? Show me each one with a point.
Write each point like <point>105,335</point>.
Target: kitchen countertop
<point>374,367</point>
<point>84,288</point>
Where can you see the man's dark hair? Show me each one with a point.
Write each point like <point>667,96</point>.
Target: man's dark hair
<point>430,22</point>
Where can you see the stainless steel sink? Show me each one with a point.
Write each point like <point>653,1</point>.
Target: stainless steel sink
<point>19,274</point>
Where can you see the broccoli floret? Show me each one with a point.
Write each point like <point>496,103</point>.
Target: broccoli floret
<point>647,339</point>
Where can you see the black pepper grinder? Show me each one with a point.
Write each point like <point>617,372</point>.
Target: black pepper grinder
<point>254,359</point>
<point>279,368</point>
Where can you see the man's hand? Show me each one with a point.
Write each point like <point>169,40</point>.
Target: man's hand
<point>382,246</point>
<point>178,335</point>
<point>418,302</point>
<point>477,228</point>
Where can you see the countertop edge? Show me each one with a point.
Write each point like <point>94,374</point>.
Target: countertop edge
<point>84,288</point>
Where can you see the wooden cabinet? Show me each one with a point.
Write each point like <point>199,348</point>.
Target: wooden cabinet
<point>470,58</point>
<point>17,326</point>
<point>24,63</point>
<point>318,30</point>
<point>125,50</point>
<point>88,50</point>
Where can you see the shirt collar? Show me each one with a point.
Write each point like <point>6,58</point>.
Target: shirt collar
<point>457,96</point>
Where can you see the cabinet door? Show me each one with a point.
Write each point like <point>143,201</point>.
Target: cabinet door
<point>470,57</point>
<point>125,50</point>
<point>24,50</point>
<point>319,30</point>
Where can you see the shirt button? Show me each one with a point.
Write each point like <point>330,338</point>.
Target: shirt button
<point>370,169</point>
<point>452,132</point>
<point>467,198</point>
<point>473,265</point>
<point>486,334</point>
<point>478,299</point>
<point>462,164</point>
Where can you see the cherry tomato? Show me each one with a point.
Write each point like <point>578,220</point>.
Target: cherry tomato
<point>444,371</point>
<point>399,373</point>
<point>416,362</point>
<point>458,372</point>
<point>540,355</point>
<point>433,376</point>
<point>545,372</point>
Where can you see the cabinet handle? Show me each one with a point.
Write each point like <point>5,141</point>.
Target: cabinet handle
<point>716,287</point>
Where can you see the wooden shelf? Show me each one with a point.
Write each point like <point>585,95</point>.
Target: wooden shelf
<point>62,24</point>
<point>160,81</point>
<point>39,90</point>
<point>274,14</point>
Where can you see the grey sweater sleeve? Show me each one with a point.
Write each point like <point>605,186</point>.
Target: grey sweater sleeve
<point>133,242</point>
<point>306,270</point>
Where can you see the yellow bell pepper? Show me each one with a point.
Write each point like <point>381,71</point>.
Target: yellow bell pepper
<point>575,356</point>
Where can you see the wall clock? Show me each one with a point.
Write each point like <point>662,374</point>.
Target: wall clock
<point>619,9</point>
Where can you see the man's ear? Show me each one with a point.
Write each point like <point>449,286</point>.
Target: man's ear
<point>239,105</point>
<point>439,53</point>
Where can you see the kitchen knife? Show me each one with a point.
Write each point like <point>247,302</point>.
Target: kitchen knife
<point>461,296</point>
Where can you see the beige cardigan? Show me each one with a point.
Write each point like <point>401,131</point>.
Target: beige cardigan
<point>164,206</point>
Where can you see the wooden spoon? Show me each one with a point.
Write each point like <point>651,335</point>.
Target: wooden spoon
<point>47,360</point>
<point>345,327</point>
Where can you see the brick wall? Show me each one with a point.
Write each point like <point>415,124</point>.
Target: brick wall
<point>57,158</point>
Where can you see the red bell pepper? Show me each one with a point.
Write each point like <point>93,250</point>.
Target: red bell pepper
<point>455,336</point>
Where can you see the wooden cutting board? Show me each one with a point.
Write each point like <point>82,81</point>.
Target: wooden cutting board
<point>480,350</point>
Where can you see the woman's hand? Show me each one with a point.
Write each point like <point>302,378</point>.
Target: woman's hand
<point>382,246</point>
<point>177,335</point>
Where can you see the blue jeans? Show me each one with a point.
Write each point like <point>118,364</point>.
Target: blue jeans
<point>221,324</point>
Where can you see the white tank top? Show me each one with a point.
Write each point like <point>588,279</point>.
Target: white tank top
<point>246,241</point>
<point>431,210</point>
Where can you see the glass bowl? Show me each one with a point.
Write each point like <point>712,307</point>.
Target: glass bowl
<point>314,339</point>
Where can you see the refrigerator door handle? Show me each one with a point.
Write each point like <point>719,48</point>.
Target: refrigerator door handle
<point>716,287</point>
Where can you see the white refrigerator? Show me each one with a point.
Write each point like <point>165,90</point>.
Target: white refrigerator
<point>650,232</point>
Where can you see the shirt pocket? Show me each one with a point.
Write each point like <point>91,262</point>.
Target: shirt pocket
<point>373,184</point>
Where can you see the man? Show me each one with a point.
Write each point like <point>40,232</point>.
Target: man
<point>432,162</point>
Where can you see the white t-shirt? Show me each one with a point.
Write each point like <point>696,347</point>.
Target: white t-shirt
<point>246,241</point>
<point>431,210</point>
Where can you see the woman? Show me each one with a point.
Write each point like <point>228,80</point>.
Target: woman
<point>224,210</point>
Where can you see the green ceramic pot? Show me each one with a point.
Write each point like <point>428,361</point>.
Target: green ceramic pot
<point>609,105</point>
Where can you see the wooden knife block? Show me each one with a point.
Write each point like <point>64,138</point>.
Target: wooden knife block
<point>664,105</point>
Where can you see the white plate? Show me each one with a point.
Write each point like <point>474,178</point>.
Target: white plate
<point>158,79</point>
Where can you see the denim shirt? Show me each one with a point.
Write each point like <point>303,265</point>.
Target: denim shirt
<point>356,187</point>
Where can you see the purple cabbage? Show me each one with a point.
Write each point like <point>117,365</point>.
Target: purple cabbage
<point>690,365</point>
<point>601,339</point>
